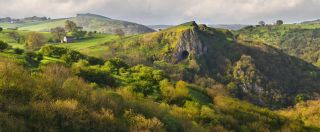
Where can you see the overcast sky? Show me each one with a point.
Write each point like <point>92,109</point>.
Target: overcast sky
<point>170,11</point>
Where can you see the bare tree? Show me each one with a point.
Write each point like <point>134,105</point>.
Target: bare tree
<point>70,26</point>
<point>35,40</point>
<point>58,33</point>
<point>119,32</point>
<point>14,35</point>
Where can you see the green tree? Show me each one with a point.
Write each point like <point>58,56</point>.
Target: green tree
<point>78,34</point>
<point>1,29</point>
<point>301,98</point>
<point>181,89</point>
<point>279,22</point>
<point>3,45</point>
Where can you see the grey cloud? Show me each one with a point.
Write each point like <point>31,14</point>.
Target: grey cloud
<point>169,11</point>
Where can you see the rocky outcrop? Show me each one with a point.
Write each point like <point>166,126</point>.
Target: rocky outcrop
<point>190,44</point>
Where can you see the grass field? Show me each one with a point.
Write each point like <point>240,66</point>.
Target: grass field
<point>44,26</point>
<point>4,36</point>
<point>272,34</point>
<point>89,46</point>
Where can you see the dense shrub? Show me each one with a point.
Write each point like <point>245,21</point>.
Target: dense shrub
<point>18,51</point>
<point>3,45</point>
<point>94,74</point>
<point>33,59</point>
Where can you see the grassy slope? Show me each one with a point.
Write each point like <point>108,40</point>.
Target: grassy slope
<point>43,26</point>
<point>88,45</point>
<point>4,36</point>
<point>300,40</point>
<point>275,74</point>
<point>272,34</point>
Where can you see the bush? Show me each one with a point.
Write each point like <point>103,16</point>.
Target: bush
<point>96,75</point>
<point>53,51</point>
<point>3,45</point>
<point>15,82</point>
<point>72,56</point>
<point>33,59</point>
<point>115,64</point>
<point>18,51</point>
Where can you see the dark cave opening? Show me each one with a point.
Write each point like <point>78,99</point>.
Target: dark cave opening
<point>184,55</point>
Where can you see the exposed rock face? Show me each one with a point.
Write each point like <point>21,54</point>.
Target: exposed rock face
<point>190,44</point>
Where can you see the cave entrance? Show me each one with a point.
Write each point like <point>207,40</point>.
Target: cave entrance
<point>184,55</point>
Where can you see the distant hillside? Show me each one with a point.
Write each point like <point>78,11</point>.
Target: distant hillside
<point>159,27</point>
<point>222,26</point>
<point>312,22</point>
<point>252,70</point>
<point>24,20</point>
<point>229,26</point>
<point>89,22</point>
<point>300,40</point>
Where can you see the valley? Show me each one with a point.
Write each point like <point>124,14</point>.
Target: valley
<point>114,75</point>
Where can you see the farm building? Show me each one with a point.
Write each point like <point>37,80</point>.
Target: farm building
<point>68,39</point>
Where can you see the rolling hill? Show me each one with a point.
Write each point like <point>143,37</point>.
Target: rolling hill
<point>299,40</point>
<point>89,22</point>
<point>253,71</point>
<point>184,78</point>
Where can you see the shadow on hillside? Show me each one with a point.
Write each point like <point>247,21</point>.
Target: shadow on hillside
<point>284,76</point>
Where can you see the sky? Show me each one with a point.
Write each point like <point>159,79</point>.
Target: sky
<point>151,12</point>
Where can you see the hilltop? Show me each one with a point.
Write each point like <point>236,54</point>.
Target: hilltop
<point>222,26</point>
<point>89,22</point>
<point>311,22</point>
<point>229,26</point>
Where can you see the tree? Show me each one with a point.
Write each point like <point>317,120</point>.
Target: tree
<point>279,22</point>
<point>181,89</point>
<point>14,35</point>
<point>58,33</point>
<point>3,45</point>
<point>90,34</point>
<point>35,40</point>
<point>119,32</point>
<point>262,23</point>
<point>78,34</point>
<point>70,26</point>
<point>1,29</point>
